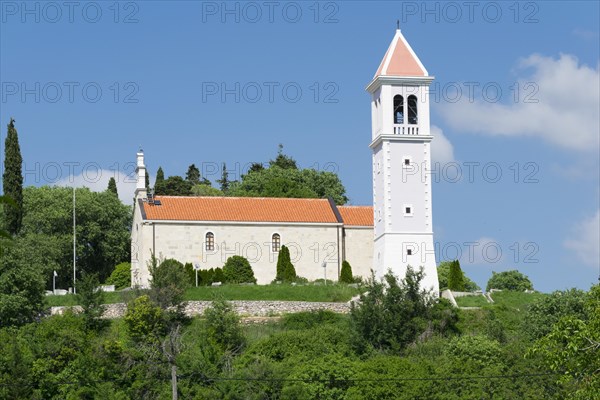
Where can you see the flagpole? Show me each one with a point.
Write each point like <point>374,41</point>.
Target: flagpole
<point>74,241</point>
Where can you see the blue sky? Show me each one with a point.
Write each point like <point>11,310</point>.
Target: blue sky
<point>212,82</point>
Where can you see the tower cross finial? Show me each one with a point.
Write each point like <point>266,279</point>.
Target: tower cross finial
<point>398,24</point>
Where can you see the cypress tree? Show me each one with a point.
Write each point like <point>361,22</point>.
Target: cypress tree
<point>159,184</point>
<point>346,273</point>
<point>224,181</point>
<point>193,175</point>
<point>147,181</point>
<point>456,279</point>
<point>12,180</point>
<point>280,264</point>
<point>112,186</point>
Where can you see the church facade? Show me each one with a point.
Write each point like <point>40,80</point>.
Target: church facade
<point>390,235</point>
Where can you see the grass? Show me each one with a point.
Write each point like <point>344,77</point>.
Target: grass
<point>471,301</point>
<point>509,308</point>
<point>517,300</point>
<point>282,292</point>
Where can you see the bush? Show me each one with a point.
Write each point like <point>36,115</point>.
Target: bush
<point>346,273</point>
<point>169,282</point>
<point>121,276</point>
<point>543,313</point>
<point>223,326</point>
<point>285,269</point>
<point>144,320</point>
<point>218,276</point>
<point>238,270</point>
<point>91,301</point>
<point>395,313</point>
<point>191,273</point>
<point>509,280</point>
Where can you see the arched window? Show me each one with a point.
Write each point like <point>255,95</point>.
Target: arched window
<point>398,109</point>
<point>412,110</point>
<point>276,242</point>
<point>209,242</point>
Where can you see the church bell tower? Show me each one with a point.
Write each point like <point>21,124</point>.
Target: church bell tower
<point>401,145</point>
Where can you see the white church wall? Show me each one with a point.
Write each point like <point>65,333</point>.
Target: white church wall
<point>309,245</point>
<point>359,250</point>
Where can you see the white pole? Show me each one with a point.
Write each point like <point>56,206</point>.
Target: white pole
<point>74,244</point>
<point>196,278</point>
<point>53,282</point>
<point>324,265</point>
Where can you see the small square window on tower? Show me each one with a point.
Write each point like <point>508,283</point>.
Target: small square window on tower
<point>408,210</point>
<point>406,161</point>
<point>409,252</point>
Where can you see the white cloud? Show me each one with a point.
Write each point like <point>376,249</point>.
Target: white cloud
<point>585,241</point>
<point>97,181</point>
<point>442,150</point>
<point>565,114</point>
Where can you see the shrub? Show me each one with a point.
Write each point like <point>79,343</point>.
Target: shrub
<point>144,320</point>
<point>121,276</point>
<point>543,313</point>
<point>395,313</point>
<point>169,282</point>
<point>223,326</point>
<point>456,280</point>
<point>91,301</point>
<point>509,280</point>
<point>237,269</point>
<point>191,273</point>
<point>346,273</point>
<point>218,276</point>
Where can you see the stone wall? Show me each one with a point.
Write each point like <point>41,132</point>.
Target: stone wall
<point>243,308</point>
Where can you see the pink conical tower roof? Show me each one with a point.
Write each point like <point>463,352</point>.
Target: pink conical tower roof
<point>400,60</point>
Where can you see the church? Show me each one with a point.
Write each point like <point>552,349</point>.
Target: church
<point>395,232</point>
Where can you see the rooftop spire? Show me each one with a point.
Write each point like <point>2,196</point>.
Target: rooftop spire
<point>400,59</point>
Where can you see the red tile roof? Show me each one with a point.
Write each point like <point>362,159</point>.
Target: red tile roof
<point>400,60</point>
<point>357,215</point>
<point>241,209</point>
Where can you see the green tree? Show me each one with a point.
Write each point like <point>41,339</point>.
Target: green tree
<point>395,312</point>
<point>5,237</point>
<point>285,269</point>
<point>103,231</point>
<point>206,190</point>
<point>224,181</point>
<point>443,271</point>
<point>169,282</point>
<point>91,301</point>
<point>193,175</point>
<point>509,280</point>
<point>279,182</point>
<point>456,280</point>
<point>346,273</point>
<point>545,312</point>
<point>176,186</point>
<point>159,183</point>
<point>237,269</point>
<point>144,320</point>
<point>147,181</point>
<point>572,349</point>
<point>12,180</point>
<point>223,326</point>
<point>121,276</point>
<point>21,288</point>
<point>112,186</point>
<point>282,160</point>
